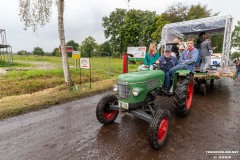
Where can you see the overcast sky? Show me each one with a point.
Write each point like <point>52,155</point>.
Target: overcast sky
<point>83,18</point>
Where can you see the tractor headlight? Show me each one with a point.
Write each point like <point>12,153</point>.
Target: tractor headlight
<point>115,88</point>
<point>135,91</point>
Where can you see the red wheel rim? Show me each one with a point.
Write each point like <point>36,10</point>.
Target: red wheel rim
<point>162,130</point>
<point>189,95</point>
<point>109,115</point>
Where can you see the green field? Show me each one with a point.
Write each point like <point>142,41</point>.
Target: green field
<point>41,77</point>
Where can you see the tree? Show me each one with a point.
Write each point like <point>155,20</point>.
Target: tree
<point>161,21</point>
<point>73,44</point>
<point>138,27</point>
<point>217,41</point>
<point>22,52</point>
<point>38,51</point>
<point>105,49</point>
<point>38,13</point>
<point>132,28</point>
<point>112,28</point>
<point>235,55</point>
<point>88,46</point>
<point>177,12</point>
<point>236,36</point>
<point>55,52</point>
<point>198,11</point>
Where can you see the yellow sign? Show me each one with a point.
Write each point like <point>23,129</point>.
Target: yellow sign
<point>76,55</point>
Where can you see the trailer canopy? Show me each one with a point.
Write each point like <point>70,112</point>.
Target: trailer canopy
<point>215,24</point>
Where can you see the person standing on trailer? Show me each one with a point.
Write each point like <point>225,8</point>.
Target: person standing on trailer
<point>205,53</point>
<point>201,38</point>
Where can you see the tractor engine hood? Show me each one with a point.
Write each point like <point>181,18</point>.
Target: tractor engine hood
<point>141,77</point>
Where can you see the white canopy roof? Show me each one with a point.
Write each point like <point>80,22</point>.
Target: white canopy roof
<point>194,27</point>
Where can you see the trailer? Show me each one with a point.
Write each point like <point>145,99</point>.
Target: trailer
<point>212,25</point>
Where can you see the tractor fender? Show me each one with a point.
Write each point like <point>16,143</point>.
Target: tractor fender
<point>182,73</point>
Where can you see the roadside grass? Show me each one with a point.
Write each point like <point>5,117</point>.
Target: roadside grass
<point>15,105</point>
<point>15,64</point>
<point>32,58</point>
<point>31,88</point>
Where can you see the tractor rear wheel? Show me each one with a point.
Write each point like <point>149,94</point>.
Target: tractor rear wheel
<point>159,128</point>
<point>104,114</point>
<point>183,95</point>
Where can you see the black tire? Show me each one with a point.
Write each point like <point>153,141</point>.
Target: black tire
<point>183,95</point>
<point>158,129</point>
<point>211,83</point>
<point>203,89</point>
<point>104,114</point>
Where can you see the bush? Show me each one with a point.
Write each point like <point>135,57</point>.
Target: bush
<point>38,51</point>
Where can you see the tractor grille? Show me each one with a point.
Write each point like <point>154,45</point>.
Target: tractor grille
<point>152,83</point>
<point>124,91</point>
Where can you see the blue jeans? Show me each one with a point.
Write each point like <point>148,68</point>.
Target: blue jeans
<point>167,80</point>
<point>238,73</point>
<point>238,70</point>
<point>174,69</point>
<point>197,64</point>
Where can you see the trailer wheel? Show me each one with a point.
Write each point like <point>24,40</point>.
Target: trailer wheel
<point>104,114</point>
<point>211,83</point>
<point>159,128</point>
<point>203,89</point>
<point>183,95</point>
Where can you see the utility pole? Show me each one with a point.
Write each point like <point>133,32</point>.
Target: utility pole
<point>128,4</point>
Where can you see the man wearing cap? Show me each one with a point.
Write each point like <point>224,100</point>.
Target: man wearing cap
<point>166,62</point>
<point>187,59</point>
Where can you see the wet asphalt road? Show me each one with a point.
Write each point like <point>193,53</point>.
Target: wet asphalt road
<point>71,131</point>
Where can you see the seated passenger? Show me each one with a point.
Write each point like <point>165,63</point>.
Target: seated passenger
<point>150,57</point>
<point>187,59</point>
<point>166,62</point>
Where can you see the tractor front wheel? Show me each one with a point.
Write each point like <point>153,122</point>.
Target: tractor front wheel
<point>159,128</point>
<point>104,114</point>
<point>183,95</point>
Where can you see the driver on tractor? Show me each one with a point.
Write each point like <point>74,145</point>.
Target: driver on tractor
<point>187,59</point>
<point>166,62</point>
<point>150,58</point>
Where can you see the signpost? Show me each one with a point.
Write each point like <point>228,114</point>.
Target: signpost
<point>137,52</point>
<point>76,56</point>
<point>85,64</point>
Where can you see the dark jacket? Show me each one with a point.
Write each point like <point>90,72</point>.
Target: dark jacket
<point>167,63</point>
<point>175,50</point>
<point>199,42</point>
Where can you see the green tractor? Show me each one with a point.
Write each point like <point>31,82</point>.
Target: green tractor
<point>136,93</point>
